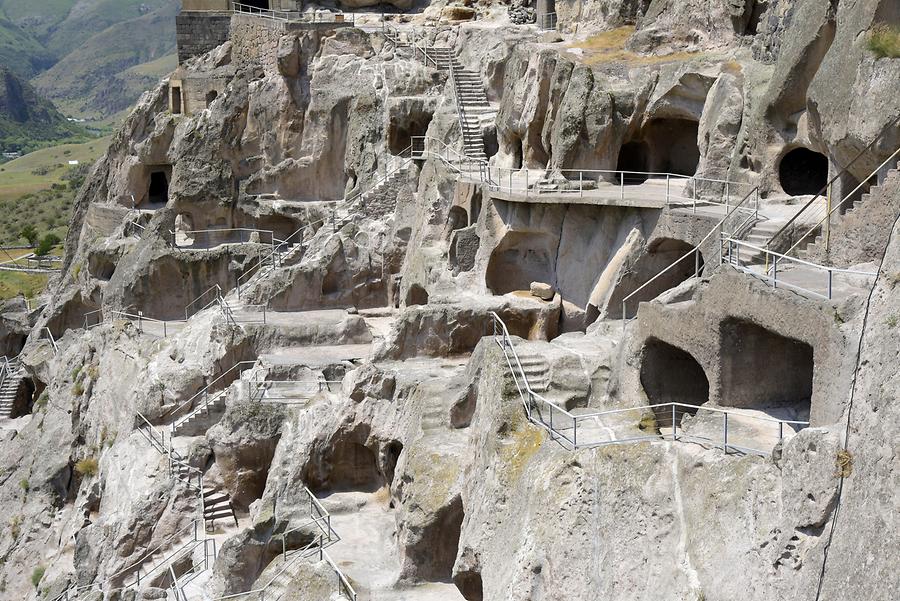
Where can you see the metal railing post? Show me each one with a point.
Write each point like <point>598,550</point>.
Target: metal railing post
<point>725,442</point>
<point>622,184</point>
<point>830,280</point>
<point>668,185</point>
<point>774,270</point>
<point>828,218</point>
<point>674,424</point>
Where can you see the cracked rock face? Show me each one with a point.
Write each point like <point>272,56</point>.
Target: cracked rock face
<point>400,415</point>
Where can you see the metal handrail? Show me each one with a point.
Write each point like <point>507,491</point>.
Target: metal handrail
<point>528,397</point>
<point>291,16</point>
<point>771,271</point>
<point>718,228</point>
<point>46,330</point>
<point>840,204</point>
<point>205,391</point>
<point>203,295</point>
<point>827,187</point>
<point>65,595</point>
<point>547,22</point>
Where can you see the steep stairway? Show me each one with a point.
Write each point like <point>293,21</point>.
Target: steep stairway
<point>537,371</point>
<point>217,506</point>
<point>9,387</point>
<point>475,112</point>
<point>817,246</point>
<point>202,417</point>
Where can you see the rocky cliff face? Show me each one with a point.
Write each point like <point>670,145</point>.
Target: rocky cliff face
<point>343,385</point>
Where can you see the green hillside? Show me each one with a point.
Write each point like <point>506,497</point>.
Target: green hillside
<point>27,121</point>
<point>20,51</point>
<point>93,58</point>
<point>99,77</point>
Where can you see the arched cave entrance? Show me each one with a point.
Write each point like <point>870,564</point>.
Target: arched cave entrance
<point>671,375</point>
<point>262,4</point>
<point>349,466</point>
<point>403,128</point>
<point>416,295</point>
<point>673,146</point>
<point>158,190</point>
<point>519,259</point>
<point>633,157</point>
<point>211,97</point>
<point>803,171</point>
<point>436,554</point>
<point>762,369</point>
<point>457,218</point>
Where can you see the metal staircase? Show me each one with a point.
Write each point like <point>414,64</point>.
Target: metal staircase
<point>11,375</point>
<point>474,111</point>
<point>215,504</point>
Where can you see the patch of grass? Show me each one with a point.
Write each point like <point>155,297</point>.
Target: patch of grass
<point>648,422</point>
<point>87,467</point>
<point>41,401</point>
<point>24,485</point>
<point>891,321</point>
<point>884,41</point>
<point>15,283</point>
<point>37,575</point>
<point>15,526</point>
<point>39,189</point>
<point>609,47</point>
<point>78,389</point>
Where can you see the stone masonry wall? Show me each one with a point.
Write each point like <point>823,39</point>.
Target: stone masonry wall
<point>198,33</point>
<point>255,41</point>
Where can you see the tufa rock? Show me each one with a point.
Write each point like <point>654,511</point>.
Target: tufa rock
<point>542,291</point>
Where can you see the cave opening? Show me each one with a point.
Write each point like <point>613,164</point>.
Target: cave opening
<point>633,157</point>
<point>441,539</point>
<point>470,585</point>
<point>402,130</point>
<point>673,144</point>
<point>803,172</point>
<point>391,457</point>
<point>176,100</point>
<point>349,467</point>
<point>672,375</point>
<point>457,218</point>
<point>416,295</point>
<point>211,97</point>
<point>258,4</point>
<point>521,258</point>
<point>158,189</point>
<point>749,351</point>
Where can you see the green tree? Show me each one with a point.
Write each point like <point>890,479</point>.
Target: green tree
<point>46,245</point>
<point>30,234</point>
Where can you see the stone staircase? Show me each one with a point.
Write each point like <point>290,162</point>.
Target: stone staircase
<point>537,370</point>
<point>215,502</point>
<point>9,388</point>
<point>202,417</point>
<point>816,247</point>
<point>759,235</point>
<point>475,112</point>
<point>217,506</point>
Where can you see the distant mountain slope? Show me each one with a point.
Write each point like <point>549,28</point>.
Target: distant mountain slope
<point>98,78</point>
<point>97,56</point>
<point>26,119</point>
<point>20,51</point>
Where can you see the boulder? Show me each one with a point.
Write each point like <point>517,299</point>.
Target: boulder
<point>542,291</point>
